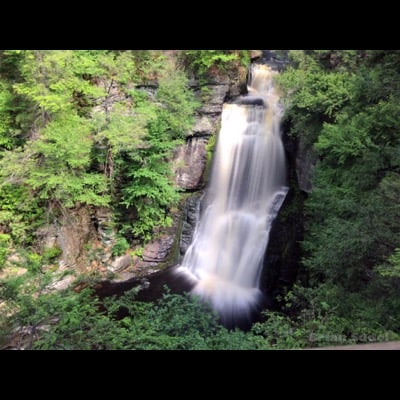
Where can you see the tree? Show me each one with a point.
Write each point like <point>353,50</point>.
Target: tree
<point>346,105</point>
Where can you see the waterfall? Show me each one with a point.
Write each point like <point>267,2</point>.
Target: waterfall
<point>246,190</point>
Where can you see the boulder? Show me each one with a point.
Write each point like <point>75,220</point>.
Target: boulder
<point>159,249</point>
<point>254,54</point>
<point>305,162</point>
<point>190,218</point>
<point>74,231</point>
<point>122,262</point>
<point>216,99</point>
<point>202,126</point>
<point>189,163</point>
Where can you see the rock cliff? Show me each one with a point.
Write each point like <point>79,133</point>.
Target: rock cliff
<point>86,235</point>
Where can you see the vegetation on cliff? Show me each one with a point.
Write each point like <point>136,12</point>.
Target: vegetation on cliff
<point>77,128</point>
<point>346,104</point>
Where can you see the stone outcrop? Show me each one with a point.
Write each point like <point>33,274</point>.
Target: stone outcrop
<point>255,54</point>
<point>190,161</point>
<point>189,220</point>
<point>74,230</point>
<point>86,236</point>
<point>217,94</point>
<point>156,254</point>
<point>282,259</point>
<point>189,165</point>
<point>122,262</point>
<point>203,126</point>
<point>158,250</point>
<point>77,233</point>
<point>281,262</point>
<point>305,162</point>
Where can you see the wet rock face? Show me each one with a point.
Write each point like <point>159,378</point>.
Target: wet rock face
<point>301,159</point>
<point>216,99</point>
<point>86,235</point>
<point>203,126</point>
<point>305,162</point>
<point>189,163</point>
<point>190,159</point>
<point>190,218</point>
<point>282,262</point>
<point>251,101</point>
<point>283,253</point>
<point>158,250</point>
<point>277,59</point>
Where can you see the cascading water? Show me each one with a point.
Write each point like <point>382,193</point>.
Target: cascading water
<point>246,190</point>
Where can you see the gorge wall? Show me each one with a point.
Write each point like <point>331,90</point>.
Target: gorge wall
<point>282,260</point>
<point>86,236</point>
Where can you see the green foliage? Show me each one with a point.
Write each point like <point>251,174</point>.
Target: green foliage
<point>120,247</point>
<point>145,174</point>
<point>4,248</point>
<point>346,105</point>
<point>211,145</point>
<point>64,151</point>
<point>34,262</point>
<point>124,129</point>
<point>392,267</point>
<point>6,139</point>
<point>20,213</point>
<point>69,320</point>
<point>75,130</point>
<point>178,102</point>
<point>52,78</point>
<point>323,316</point>
<point>203,61</point>
<point>313,95</point>
<point>50,254</point>
<point>149,65</point>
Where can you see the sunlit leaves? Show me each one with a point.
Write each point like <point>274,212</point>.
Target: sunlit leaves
<point>353,221</point>
<point>124,131</point>
<point>89,133</point>
<point>202,60</point>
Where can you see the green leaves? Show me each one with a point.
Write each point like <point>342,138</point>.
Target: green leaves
<point>179,102</point>
<point>78,321</point>
<point>6,139</point>
<point>345,139</point>
<point>315,91</point>
<point>125,130</point>
<point>145,171</point>
<point>4,248</point>
<point>69,320</point>
<point>346,104</point>
<point>89,135</point>
<point>120,246</point>
<point>66,140</point>
<point>203,60</point>
<point>357,141</point>
<point>64,150</point>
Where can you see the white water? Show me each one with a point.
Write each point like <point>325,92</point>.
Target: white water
<point>246,190</point>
